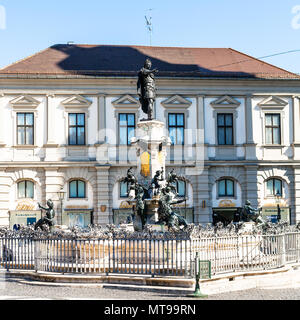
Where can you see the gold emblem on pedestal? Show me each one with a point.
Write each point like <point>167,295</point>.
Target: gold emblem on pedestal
<point>145,164</point>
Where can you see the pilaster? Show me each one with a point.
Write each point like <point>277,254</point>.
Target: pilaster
<point>50,120</point>
<point>250,146</point>
<point>101,111</point>
<point>296,127</point>
<point>295,204</point>
<point>252,192</point>
<point>53,184</point>
<point>2,129</point>
<point>201,148</point>
<point>4,198</point>
<point>103,212</point>
<point>202,203</point>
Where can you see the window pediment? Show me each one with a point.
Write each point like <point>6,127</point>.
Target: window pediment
<point>272,102</point>
<point>126,101</point>
<point>25,101</point>
<point>176,101</point>
<point>76,101</point>
<point>225,101</point>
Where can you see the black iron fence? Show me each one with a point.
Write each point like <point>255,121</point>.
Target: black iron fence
<point>156,257</point>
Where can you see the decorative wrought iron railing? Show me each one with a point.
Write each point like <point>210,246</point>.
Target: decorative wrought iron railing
<point>150,256</point>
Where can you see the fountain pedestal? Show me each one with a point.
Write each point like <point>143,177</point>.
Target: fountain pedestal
<point>151,145</point>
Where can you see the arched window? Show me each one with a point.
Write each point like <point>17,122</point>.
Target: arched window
<point>181,188</point>
<point>226,188</point>
<point>274,187</point>
<point>77,189</point>
<point>123,189</point>
<point>25,190</point>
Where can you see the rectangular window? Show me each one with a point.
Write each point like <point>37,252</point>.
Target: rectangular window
<point>226,188</point>
<point>25,129</point>
<point>76,129</point>
<point>126,128</point>
<point>274,187</point>
<point>181,188</point>
<point>176,128</point>
<point>273,130</point>
<point>225,129</point>
<point>123,189</point>
<point>77,189</point>
<point>25,190</point>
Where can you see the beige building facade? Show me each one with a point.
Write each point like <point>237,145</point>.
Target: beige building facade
<point>235,134</point>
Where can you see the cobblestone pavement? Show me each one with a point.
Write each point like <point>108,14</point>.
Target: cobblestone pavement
<point>14,290</point>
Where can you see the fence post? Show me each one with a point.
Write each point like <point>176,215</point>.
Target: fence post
<point>298,246</point>
<point>283,250</point>
<point>35,255</point>
<point>6,254</point>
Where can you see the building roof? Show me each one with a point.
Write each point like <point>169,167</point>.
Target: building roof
<point>122,60</point>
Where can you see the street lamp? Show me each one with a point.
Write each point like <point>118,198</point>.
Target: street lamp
<point>61,196</point>
<point>278,198</point>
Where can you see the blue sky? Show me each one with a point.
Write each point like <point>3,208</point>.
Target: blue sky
<point>256,27</point>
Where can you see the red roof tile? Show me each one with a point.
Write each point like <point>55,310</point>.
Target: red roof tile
<point>113,60</point>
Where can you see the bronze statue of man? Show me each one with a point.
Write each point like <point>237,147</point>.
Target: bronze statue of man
<point>251,214</point>
<point>140,204</point>
<point>146,88</point>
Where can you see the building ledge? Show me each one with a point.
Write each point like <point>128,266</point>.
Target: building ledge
<point>276,146</point>
<point>25,147</point>
<point>51,145</point>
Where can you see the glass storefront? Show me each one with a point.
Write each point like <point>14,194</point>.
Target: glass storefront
<point>79,218</point>
<point>24,218</point>
<point>271,214</point>
<point>122,216</point>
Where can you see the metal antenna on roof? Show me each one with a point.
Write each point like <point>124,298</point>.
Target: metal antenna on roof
<point>149,25</point>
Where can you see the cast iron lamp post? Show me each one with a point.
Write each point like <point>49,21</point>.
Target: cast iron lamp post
<point>278,197</point>
<point>61,196</point>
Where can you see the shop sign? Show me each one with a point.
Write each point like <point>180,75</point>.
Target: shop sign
<point>77,207</point>
<point>227,204</point>
<point>25,205</point>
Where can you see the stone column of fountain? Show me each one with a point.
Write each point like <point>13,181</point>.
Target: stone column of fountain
<point>151,144</point>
